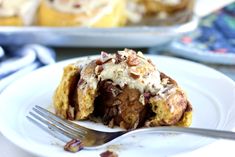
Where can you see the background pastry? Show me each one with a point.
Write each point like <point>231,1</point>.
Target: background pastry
<point>17,12</point>
<point>167,6</point>
<point>124,89</point>
<point>159,12</point>
<point>94,13</point>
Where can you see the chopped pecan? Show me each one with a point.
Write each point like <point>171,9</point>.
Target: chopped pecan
<point>134,76</point>
<point>99,62</point>
<point>105,57</point>
<point>74,145</point>
<point>150,62</point>
<point>133,60</point>
<point>104,54</point>
<point>108,153</point>
<point>99,69</point>
<point>134,73</point>
<point>77,5</point>
<point>119,58</point>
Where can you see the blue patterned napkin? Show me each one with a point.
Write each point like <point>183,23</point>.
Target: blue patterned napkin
<point>212,42</point>
<point>18,61</point>
<point>216,33</point>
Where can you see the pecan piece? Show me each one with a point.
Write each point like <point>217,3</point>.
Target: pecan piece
<point>98,62</point>
<point>104,54</point>
<point>134,76</point>
<point>133,60</point>
<point>105,57</point>
<point>119,58</point>
<point>134,73</point>
<point>150,62</point>
<point>108,153</point>
<point>99,69</point>
<point>74,145</point>
<point>77,5</point>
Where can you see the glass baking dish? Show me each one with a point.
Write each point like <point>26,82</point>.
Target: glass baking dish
<point>150,31</point>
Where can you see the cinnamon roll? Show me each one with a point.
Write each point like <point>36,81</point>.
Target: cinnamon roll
<point>18,12</point>
<point>124,89</point>
<point>91,13</point>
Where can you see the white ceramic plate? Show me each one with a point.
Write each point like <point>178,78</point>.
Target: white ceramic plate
<point>211,94</point>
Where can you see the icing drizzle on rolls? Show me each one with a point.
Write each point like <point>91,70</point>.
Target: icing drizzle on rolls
<point>128,68</point>
<point>90,11</point>
<point>169,2</point>
<point>25,9</point>
<point>79,6</point>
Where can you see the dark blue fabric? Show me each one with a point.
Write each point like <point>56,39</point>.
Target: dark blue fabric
<point>216,33</point>
<point>213,42</point>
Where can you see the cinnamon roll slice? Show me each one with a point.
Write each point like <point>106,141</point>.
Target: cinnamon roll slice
<point>124,89</point>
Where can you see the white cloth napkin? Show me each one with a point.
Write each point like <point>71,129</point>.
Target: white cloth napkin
<point>18,61</point>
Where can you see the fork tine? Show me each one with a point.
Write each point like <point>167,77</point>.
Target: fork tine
<point>64,127</point>
<point>52,126</point>
<point>52,132</point>
<point>67,123</point>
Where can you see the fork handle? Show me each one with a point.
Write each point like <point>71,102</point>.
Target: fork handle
<point>196,131</point>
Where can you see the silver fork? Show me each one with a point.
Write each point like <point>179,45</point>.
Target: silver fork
<point>66,130</point>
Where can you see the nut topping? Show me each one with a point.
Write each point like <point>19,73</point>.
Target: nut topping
<point>119,58</point>
<point>134,73</point>
<point>98,62</point>
<point>77,5</point>
<point>99,69</point>
<point>104,54</point>
<point>104,57</point>
<point>74,146</point>
<point>108,153</point>
<point>133,60</point>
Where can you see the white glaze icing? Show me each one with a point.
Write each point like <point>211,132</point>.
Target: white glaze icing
<point>25,9</point>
